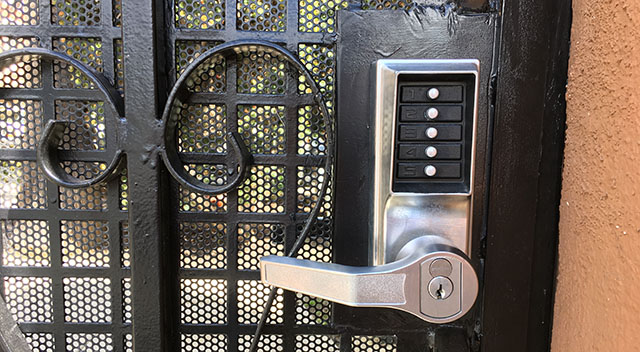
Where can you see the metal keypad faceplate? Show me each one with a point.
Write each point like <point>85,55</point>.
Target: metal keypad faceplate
<point>425,122</point>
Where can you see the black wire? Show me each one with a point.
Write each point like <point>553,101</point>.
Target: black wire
<point>314,212</point>
<point>294,250</point>
<point>236,47</point>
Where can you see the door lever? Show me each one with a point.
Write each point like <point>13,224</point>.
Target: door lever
<point>429,279</point>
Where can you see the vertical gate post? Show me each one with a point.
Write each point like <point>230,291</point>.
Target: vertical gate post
<point>142,31</point>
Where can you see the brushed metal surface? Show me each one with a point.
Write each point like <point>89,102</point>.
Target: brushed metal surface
<point>399,218</point>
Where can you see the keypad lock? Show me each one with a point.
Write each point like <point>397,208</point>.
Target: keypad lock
<point>424,144</point>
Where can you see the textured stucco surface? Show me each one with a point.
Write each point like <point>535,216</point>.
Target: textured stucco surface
<point>597,305</point>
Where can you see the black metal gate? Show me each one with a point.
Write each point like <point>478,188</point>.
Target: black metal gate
<point>134,238</point>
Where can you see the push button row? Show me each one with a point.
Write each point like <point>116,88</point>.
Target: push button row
<point>430,132</point>
<point>424,94</point>
<point>435,113</point>
<point>429,170</point>
<point>429,151</point>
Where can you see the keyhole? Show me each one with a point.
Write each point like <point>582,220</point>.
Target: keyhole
<point>440,288</point>
<point>440,293</point>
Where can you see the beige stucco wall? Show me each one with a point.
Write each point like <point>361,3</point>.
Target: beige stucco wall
<point>597,306</point>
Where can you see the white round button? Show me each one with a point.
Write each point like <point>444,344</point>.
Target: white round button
<point>430,170</point>
<point>431,152</point>
<point>432,113</point>
<point>433,93</point>
<point>431,132</point>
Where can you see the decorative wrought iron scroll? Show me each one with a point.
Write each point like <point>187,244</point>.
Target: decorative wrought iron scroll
<point>49,160</point>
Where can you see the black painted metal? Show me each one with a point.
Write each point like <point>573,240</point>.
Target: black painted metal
<point>143,49</point>
<point>528,140</point>
<point>151,272</point>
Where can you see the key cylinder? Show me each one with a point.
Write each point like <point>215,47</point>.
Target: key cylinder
<point>440,287</point>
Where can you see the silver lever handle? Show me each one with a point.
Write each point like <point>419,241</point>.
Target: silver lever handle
<point>430,280</point>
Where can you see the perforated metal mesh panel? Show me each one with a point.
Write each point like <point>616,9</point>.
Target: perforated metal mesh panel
<point>267,102</point>
<point>373,343</point>
<point>65,256</point>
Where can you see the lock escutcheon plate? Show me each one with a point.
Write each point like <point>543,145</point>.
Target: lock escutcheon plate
<point>421,208</point>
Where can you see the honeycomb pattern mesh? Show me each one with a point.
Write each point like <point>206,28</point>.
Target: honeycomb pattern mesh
<point>24,74</point>
<point>320,61</point>
<point>41,342</point>
<point>210,76</point>
<point>197,202</point>
<point>116,13</point>
<point>312,134</point>
<point>25,243</point>
<point>20,123</point>
<point>118,63</point>
<point>87,299</point>
<point>86,50</point>
<point>309,181</point>
<point>317,343</point>
<point>312,310</point>
<point>128,343</point>
<point>19,12</point>
<point>75,12</point>
<point>387,4</point>
<point>199,14</point>
<point>261,15</point>
<point>267,343</point>
<point>202,128</point>
<point>260,72</point>
<point>203,245</point>
<point>90,198</point>
<point>317,246</point>
<point>86,129</point>
<point>89,342</point>
<point>262,128</point>
<point>252,295</point>
<point>29,299</point>
<point>319,15</point>
<point>127,314</point>
<point>61,277</point>
<point>256,240</point>
<point>263,191</point>
<point>124,190</point>
<point>125,245</point>
<point>203,342</point>
<point>373,343</point>
<point>207,173</point>
<point>23,185</point>
<point>85,243</point>
<point>203,301</point>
